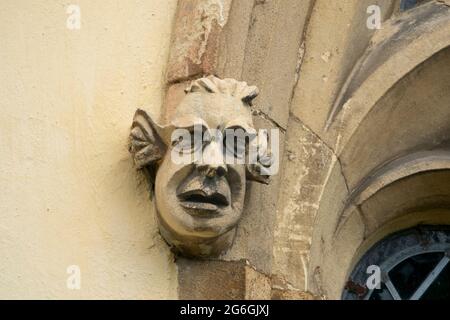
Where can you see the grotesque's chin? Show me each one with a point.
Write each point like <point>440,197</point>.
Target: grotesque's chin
<point>195,247</point>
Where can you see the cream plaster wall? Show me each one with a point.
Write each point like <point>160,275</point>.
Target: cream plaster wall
<point>69,192</point>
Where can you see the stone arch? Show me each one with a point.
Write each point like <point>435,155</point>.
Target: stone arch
<point>403,44</point>
<point>386,180</point>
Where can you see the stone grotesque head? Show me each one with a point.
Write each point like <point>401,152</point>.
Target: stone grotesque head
<point>198,164</point>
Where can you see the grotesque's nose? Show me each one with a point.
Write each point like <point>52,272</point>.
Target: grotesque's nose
<point>212,163</point>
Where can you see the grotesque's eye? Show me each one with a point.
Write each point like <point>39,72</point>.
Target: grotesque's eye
<point>235,142</point>
<point>187,140</point>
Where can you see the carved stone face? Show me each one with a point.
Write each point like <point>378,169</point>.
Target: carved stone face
<point>198,202</point>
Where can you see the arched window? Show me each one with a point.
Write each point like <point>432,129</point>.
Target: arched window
<point>410,265</point>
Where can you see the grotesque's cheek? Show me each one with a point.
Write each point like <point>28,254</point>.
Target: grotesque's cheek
<point>169,177</point>
<point>236,180</point>
<point>169,211</point>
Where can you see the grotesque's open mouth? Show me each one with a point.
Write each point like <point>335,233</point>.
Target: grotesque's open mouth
<point>199,199</point>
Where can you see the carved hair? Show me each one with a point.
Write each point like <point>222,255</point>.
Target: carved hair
<point>232,87</point>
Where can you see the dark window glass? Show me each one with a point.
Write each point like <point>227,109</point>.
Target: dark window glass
<point>408,275</point>
<point>440,288</point>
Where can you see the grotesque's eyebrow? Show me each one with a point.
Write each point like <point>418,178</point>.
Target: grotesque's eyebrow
<point>189,123</point>
<point>239,124</point>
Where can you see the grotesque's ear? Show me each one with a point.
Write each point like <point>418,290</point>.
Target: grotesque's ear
<point>258,170</point>
<point>146,144</point>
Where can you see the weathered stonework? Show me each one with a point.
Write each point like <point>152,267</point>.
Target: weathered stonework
<point>194,50</point>
<point>232,280</point>
<point>306,166</point>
